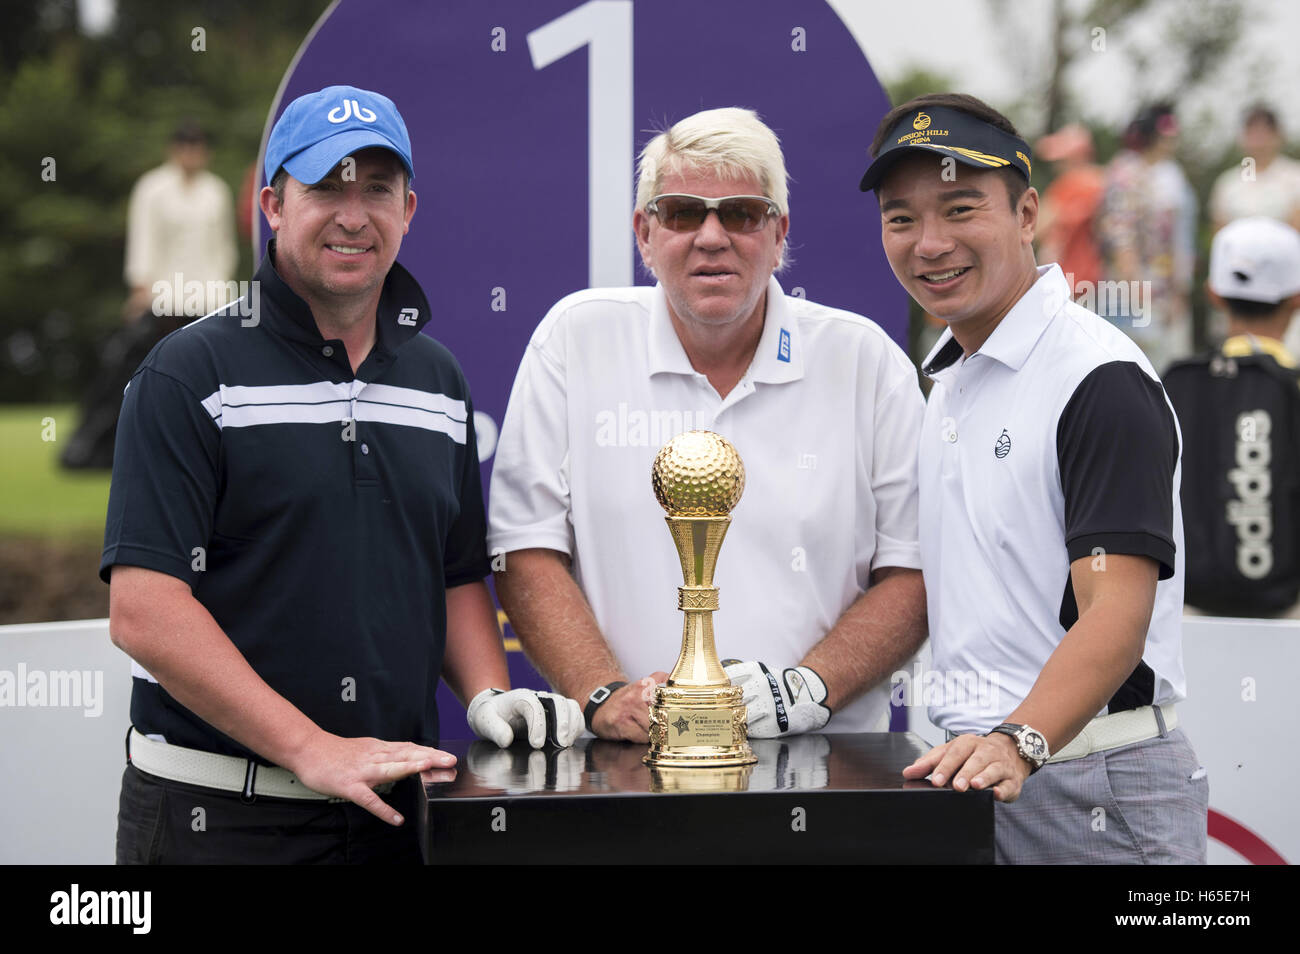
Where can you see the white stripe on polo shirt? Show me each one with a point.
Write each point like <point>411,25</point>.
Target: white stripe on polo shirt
<point>409,397</point>
<point>253,415</point>
<point>411,417</point>
<point>327,402</point>
<point>247,406</point>
<point>139,672</point>
<point>318,392</point>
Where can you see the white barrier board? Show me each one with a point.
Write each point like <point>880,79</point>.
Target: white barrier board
<point>65,707</point>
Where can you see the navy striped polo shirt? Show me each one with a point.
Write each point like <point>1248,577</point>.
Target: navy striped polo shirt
<point>319,515</point>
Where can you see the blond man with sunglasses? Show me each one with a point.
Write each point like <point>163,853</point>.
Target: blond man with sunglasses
<point>820,592</point>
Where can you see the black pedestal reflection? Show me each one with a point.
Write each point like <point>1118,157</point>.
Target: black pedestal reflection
<point>810,799</point>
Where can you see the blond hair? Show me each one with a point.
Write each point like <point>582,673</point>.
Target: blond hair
<point>731,141</point>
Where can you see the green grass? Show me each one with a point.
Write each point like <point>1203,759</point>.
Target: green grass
<point>37,496</point>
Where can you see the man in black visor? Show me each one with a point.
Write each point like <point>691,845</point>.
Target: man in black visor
<point>1051,533</point>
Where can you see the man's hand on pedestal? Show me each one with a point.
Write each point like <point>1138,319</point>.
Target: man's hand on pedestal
<point>787,703</point>
<point>975,762</point>
<point>352,767</point>
<point>625,715</point>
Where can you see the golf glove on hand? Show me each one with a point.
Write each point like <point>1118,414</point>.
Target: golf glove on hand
<point>502,716</point>
<point>786,704</point>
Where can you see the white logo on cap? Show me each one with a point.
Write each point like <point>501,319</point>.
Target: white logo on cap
<point>350,108</point>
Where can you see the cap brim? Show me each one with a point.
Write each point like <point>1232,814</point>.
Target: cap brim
<point>887,160</point>
<point>1225,289</point>
<point>876,171</point>
<point>315,162</point>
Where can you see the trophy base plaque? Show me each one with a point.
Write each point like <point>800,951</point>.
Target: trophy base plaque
<point>698,727</point>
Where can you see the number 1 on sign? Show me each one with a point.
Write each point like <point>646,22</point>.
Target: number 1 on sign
<point>606,27</point>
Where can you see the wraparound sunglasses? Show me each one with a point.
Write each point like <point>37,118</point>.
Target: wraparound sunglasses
<point>686,213</point>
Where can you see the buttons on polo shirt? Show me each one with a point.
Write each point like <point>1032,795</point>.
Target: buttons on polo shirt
<point>365,448</point>
<point>328,351</point>
<point>948,430</point>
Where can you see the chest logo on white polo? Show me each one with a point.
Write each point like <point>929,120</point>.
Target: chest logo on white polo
<point>1003,447</point>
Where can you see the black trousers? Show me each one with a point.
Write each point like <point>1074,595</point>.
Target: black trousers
<point>164,822</point>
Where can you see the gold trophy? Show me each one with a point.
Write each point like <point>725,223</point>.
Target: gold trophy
<point>697,718</point>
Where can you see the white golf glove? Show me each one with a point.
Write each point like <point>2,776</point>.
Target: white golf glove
<point>787,704</point>
<point>544,716</point>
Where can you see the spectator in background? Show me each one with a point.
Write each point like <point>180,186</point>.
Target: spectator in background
<point>1145,230</point>
<point>1067,213</point>
<point>180,222</point>
<point>1265,182</point>
<point>1239,406</point>
<point>180,259</point>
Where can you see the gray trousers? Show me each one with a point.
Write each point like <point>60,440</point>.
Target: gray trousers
<point>1140,804</point>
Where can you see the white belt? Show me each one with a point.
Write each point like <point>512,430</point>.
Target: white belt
<point>1119,728</point>
<point>227,773</point>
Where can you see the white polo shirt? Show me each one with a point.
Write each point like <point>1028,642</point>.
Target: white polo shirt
<point>826,420</point>
<point>1053,441</point>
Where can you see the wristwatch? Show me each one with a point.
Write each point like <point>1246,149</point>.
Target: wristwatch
<point>597,699</point>
<point>1029,743</point>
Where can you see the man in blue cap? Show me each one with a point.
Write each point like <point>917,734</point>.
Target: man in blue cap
<point>295,538</point>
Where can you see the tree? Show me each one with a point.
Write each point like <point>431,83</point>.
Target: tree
<point>80,119</point>
<point>1189,42</point>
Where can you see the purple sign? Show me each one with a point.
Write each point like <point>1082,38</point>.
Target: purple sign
<point>526,119</point>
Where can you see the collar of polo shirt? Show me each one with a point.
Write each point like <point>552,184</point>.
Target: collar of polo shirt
<point>402,310</point>
<point>666,353</point>
<point>1016,334</point>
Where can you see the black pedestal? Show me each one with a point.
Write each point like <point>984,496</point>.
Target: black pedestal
<point>812,799</point>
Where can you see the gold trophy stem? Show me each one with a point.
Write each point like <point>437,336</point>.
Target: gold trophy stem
<point>698,541</point>
<point>697,719</point>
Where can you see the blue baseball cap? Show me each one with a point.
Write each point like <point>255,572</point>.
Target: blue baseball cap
<point>318,130</point>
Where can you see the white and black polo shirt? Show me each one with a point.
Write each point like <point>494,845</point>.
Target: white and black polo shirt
<point>319,515</point>
<point>1053,442</point>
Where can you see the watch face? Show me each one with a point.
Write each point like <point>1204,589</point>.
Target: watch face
<point>600,695</point>
<point>1034,744</point>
